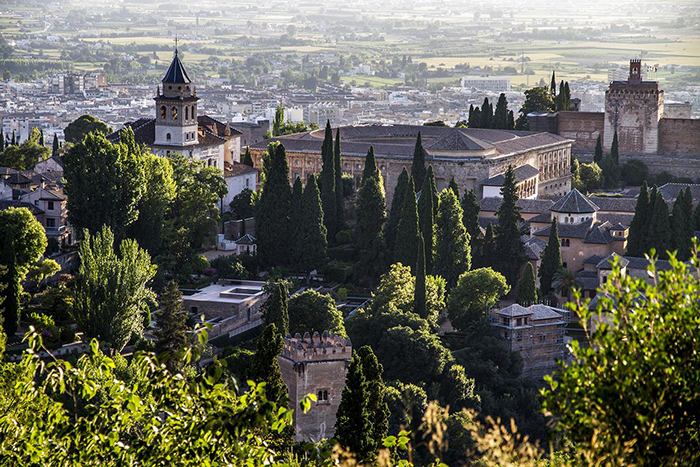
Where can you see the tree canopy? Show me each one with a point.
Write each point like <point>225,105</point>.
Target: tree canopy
<point>84,125</point>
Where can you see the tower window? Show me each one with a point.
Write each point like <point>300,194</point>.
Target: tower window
<point>163,112</point>
<point>168,137</point>
<point>187,113</point>
<point>174,113</point>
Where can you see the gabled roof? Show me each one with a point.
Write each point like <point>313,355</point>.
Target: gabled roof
<point>607,262</point>
<point>514,310</point>
<point>10,203</point>
<point>524,172</point>
<point>239,168</point>
<point>574,202</point>
<point>458,141</point>
<point>176,72</point>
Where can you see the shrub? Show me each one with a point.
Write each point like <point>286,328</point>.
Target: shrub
<point>228,267</point>
<point>343,237</point>
<point>338,271</point>
<point>199,264</point>
<point>343,293</point>
<point>67,335</point>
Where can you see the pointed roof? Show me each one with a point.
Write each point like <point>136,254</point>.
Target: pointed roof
<point>176,72</point>
<point>457,141</point>
<point>574,202</point>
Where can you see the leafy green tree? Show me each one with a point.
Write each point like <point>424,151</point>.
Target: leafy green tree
<point>272,213</point>
<point>242,204</point>
<point>590,177</point>
<point>551,259</point>
<point>247,158</point>
<point>392,224</point>
<point>328,184</point>
<point>595,409</point>
<point>537,99</point>
<point>426,215</point>
<point>376,395</point>
<point>26,155</point>
<point>612,173</point>
<point>500,116</point>
<point>526,290</point>
<point>420,305</point>
<point>598,156</point>
<point>339,195</point>
<point>452,251</point>
<point>171,320</point>
<point>115,316</point>
<point>353,423</point>
<point>476,292</point>
<point>634,172</point>
<point>370,212</point>
<point>470,219</point>
<point>457,390</point>
<point>407,234</point>
<point>154,205</point>
<point>614,150</point>
<point>118,169</point>
<point>274,309</point>
<point>311,239</point>
<point>278,121</point>
<point>510,254</point>
<point>418,165</point>
<point>23,241</point>
<point>311,311</point>
<point>84,125</point>
<point>266,369</point>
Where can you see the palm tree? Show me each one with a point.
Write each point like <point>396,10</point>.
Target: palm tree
<point>564,281</point>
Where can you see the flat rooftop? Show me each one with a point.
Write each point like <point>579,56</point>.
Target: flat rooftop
<point>234,293</point>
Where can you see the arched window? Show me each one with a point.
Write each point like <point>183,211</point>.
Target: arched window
<point>193,112</point>
<point>325,395</point>
<point>163,112</point>
<point>174,113</point>
<point>168,137</point>
<point>187,113</point>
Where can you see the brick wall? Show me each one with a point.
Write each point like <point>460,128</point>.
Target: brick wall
<point>679,136</point>
<point>583,127</point>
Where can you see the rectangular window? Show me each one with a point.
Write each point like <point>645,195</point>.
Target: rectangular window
<point>519,336</point>
<point>543,337</point>
<point>247,182</point>
<point>50,222</point>
<point>50,205</point>
<point>519,322</point>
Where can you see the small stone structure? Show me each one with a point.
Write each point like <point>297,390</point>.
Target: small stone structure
<point>315,365</point>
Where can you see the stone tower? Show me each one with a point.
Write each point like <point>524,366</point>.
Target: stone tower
<point>633,108</point>
<point>315,365</point>
<point>176,109</point>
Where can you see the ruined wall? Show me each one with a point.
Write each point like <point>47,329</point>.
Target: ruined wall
<point>679,136</point>
<point>583,127</point>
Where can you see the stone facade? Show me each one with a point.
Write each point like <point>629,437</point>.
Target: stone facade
<point>583,127</point>
<point>315,365</point>
<point>679,136</point>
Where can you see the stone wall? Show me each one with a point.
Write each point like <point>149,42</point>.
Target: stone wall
<point>679,136</point>
<point>583,127</point>
<point>634,110</point>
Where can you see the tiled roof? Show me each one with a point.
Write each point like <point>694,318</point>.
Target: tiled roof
<point>145,133</point>
<point>635,262</point>
<point>524,172</point>
<point>595,259</point>
<point>670,191</point>
<point>614,203</point>
<point>238,169</point>
<point>246,239</point>
<point>514,310</point>
<point>540,312</point>
<point>11,203</point>
<point>588,280</point>
<point>526,205</point>
<point>534,248</point>
<point>574,202</point>
<point>607,262</point>
<point>176,72</point>
<point>457,141</point>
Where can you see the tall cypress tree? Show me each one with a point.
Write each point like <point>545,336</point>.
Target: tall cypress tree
<point>688,213</point>
<point>13,141</point>
<point>295,220</point>
<point>511,120</point>
<point>426,215</point>
<point>353,422</point>
<point>487,255</point>
<point>370,212</point>
<point>406,247</point>
<point>659,228</point>
<point>470,219</point>
<point>454,187</point>
<point>470,119</point>
<point>55,147</point>
<point>312,232</point>
<point>551,260</point>
<point>553,85</point>
<point>509,246</point>
<point>526,291</point>
<point>477,118</point>
<point>272,213</point>
<point>392,224</point>
<point>636,239</point>
<point>418,165</point>
<point>247,157</point>
<point>452,252</point>
<point>266,368</point>
<point>485,116</point>
<point>274,309</point>
<point>2,140</point>
<point>171,320</point>
<point>598,156</point>
<point>614,150</point>
<point>419,298</point>
<point>500,116</point>
<point>681,226</point>
<point>328,183</point>
<point>696,218</point>
<point>339,196</point>
<point>41,137</point>
<point>648,241</point>
<point>376,396</point>
<point>567,96</point>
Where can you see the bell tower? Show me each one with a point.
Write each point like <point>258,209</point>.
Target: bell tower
<point>176,109</point>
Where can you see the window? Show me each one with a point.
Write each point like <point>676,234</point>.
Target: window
<point>519,322</point>
<point>543,337</point>
<point>187,113</point>
<point>247,182</point>
<point>163,112</point>
<point>168,137</point>
<point>519,336</point>
<point>50,222</point>
<point>50,205</point>
<point>322,395</point>
<point>505,321</point>
<point>174,113</point>
<point>36,202</point>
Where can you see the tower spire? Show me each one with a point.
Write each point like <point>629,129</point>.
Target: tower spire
<point>176,44</point>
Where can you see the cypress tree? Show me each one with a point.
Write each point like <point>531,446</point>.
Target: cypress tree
<point>295,221</point>
<point>511,120</point>
<point>406,247</point>
<point>614,150</point>
<point>395,213</point>
<point>369,229</point>
<point>682,225</point>
<point>598,156</point>
<point>376,396</point>
<point>648,241</point>
<point>636,239</point>
<point>426,214</point>
<point>477,118</point>
<point>567,96</point>
<point>13,287</point>
<point>659,229</point>
<point>490,116</point>
<point>551,260</point>
<point>500,116</point>
<point>339,196</point>
<point>171,332</point>
<point>470,219</point>
<point>419,299</point>
<point>328,184</point>
<point>526,291</point>
<point>13,141</point>
<point>509,246</point>
<point>487,255</point>
<point>41,137</point>
<point>696,218</point>
<point>266,369</point>
<point>470,119</point>
<point>2,140</point>
<point>418,165</point>
<point>272,213</point>
<point>485,116</point>
<point>312,232</point>
<point>452,252</point>
<point>247,157</point>
<point>553,85</point>
<point>275,307</point>
<point>454,187</point>
<point>353,423</point>
<point>688,214</point>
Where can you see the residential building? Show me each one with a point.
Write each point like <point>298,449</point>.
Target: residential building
<point>486,84</point>
<point>238,177</point>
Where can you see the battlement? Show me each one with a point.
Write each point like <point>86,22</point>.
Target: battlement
<point>326,346</point>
